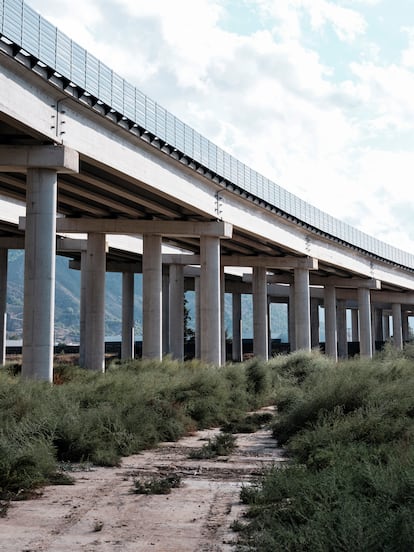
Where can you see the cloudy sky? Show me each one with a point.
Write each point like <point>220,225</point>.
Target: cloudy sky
<point>317,95</point>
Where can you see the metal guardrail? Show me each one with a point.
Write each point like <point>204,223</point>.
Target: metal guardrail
<point>24,27</point>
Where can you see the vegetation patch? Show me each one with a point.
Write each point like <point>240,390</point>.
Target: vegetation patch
<point>248,424</point>
<point>90,418</point>
<point>157,485</point>
<point>222,444</point>
<point>349,485</point>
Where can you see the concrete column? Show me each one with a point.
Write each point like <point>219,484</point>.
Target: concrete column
<point>364,303</point>
<point>260,328</point>
<point>82,309</point>
<point>330,322</point>
<point>397,326</point>
<point>405,326</point>
<point>291,319</point>
<point>302,309</point>
<point>95,302</point>
<point>222,322</point>
<point>152,297</point>
<point>237,344</point>
<point>39,274</point>
<point>386,325</point>
<point>127,345</point>
<point>355,325</point>
<point>166,349</point>
<point>197,342</point>
<point>177,311</point>
<point>3,303</point>
<point>377,329</point>
<point>314,314</point>
<point>341,328</point>
<point>210,300</point>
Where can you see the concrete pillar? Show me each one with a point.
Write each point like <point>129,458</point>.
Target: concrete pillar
<point>355,325</point>
<point>177,311</point>
<point>291,319</point>
<point>166,349</point>
<point>39,274</point>
<point>95,302</point>
<point>260,328</point>
<point>222,322</point>
<point>210,300</point>
<point>377,329</point>
<point>314,314</point>
<point>302,309</point>
<point>405,326</point>
<point>152,297</point>
<point>82,309</point>
<point>330,322</point>
<point>364,303</point>
<point>3,303</point>
<point>386,325</point>
<point>127,345</point>
<point>397,326</point>
<point>197,339</point>
<point>237,344</point>
<point>341,329</point>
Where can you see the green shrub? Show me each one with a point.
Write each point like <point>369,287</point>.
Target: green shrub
<point>222,444</point>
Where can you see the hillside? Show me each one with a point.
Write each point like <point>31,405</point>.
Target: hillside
<point>68,304</point>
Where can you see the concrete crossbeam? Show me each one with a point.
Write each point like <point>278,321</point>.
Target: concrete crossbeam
<point>177,228</point>
<point>22,158</point>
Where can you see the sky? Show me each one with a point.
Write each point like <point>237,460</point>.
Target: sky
<point>317,95</point>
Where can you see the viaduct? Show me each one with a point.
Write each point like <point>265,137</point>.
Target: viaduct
<point>93,169</point>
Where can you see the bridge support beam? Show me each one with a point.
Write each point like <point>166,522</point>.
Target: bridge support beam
<point>39,274</point>
<point>397,326</point>
<point>152,296</point>
<point>355,325</point>
<point>177,311</point>
<point>210,300</point>
<point>341,328</point>
<point>330,322</point>
<point>365,330</point>
<point>314,314</point>
<point>95,271</point>
<point>3,303</point>
<point>127,344</point>
<point>302,309</point>
<point>237,348</point>
<point>165,309</point>
<point>260,326</point>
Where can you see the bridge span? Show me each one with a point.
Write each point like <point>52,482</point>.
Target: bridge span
<point>93,169</point>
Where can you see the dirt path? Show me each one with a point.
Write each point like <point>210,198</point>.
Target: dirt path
<point>101,514</point>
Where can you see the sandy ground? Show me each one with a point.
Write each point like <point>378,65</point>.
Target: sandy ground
<point>100,513</point>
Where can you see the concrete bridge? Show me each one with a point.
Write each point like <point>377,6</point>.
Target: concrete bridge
<point>93,169</point>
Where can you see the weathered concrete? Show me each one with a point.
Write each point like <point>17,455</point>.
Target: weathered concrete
<point>95,302</point>
<point>237,347</point>
<point>152,297</point>
<point>210,300</point>
<point>177,311</point>
<point>39,274</point>
<point>128,336</point>
<point>302,309</point>
<point>397,338</point>
<point>365,329</point>
<point>260,327</point>
<point>330,322</point>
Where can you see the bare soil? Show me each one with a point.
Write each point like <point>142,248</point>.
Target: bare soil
<point>100,513</point>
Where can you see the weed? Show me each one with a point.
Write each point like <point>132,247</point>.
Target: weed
<point>157,485</point>
<point>222,444</point>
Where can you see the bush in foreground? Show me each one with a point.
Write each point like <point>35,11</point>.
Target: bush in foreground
<point>350,483</point>
<point>98,418</point>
